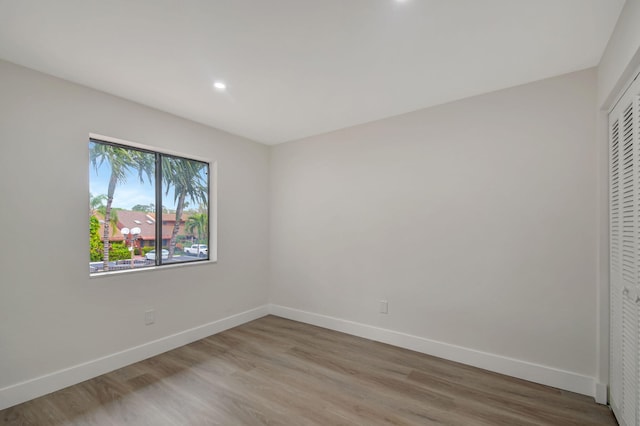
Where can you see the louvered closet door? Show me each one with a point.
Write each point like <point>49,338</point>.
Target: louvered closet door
<point>624,227</point>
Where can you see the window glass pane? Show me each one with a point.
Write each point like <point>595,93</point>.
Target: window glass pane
<point>185,209</point>
<point>122,198</point>
<point>146,208</point>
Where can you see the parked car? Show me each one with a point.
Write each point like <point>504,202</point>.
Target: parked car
<point>197,250</point>
<point>152,255</point>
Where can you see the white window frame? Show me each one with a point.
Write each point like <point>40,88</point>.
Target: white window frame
<point>213,206</point>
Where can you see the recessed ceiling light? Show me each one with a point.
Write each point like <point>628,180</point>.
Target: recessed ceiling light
<point>219,85</point>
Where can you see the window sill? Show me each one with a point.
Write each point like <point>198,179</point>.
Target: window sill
<point>152,268</point>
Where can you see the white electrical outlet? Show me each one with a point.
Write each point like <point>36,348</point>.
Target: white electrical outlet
<point>384,307</point>
<point>149,317</point>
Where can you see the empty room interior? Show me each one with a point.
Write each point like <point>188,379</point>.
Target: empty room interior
<point>320,212</point>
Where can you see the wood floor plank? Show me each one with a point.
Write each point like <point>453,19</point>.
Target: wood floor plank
<point>274,371</point>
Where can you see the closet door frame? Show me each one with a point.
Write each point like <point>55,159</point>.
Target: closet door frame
<point>623,127</point>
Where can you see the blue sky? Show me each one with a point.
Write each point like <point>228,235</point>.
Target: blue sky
<point>132,192</point>
<point>126,195</point>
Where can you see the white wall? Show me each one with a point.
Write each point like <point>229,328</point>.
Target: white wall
<point>476,220</point>
<point>52,315</point>
<point>622,55</point>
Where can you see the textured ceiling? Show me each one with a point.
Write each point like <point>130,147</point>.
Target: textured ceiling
<point>296,68</point>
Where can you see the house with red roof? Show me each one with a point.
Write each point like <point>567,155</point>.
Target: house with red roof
<point>147,224</point>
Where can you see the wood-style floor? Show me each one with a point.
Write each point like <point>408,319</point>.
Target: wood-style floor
<point>280,372</point>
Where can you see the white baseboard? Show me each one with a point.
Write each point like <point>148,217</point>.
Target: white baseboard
<point>601,394</point>
<point>512,367</point>
<point>33,388</point>
<point>30,389</point>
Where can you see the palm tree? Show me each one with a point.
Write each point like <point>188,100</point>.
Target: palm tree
<point>188,179</point>
<point>96,203</point>
<point>121,161</point>
<point>113,218</point>
<point>198,222</point>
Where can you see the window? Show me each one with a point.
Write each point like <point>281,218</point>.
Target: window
<point>146,208</point>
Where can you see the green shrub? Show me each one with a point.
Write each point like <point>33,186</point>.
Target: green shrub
<point>146,250</point>
<point>119,251</point>
<point>96,247</point>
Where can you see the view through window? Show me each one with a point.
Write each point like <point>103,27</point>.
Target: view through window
<point>146,208</point>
